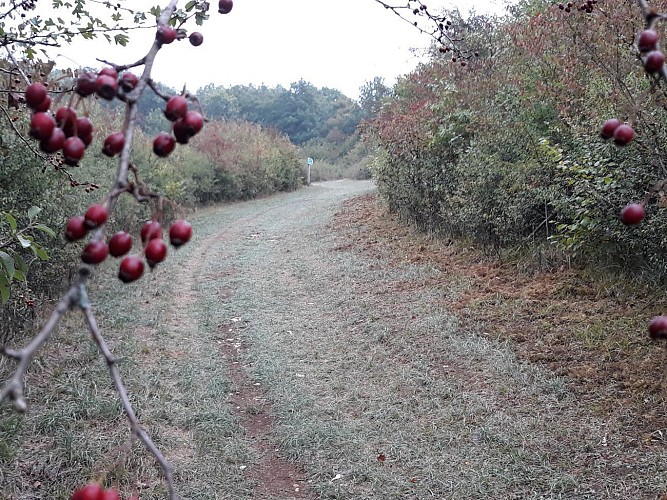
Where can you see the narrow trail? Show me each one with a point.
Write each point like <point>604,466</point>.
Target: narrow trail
<point>273,475</point>
<point>203,300</point>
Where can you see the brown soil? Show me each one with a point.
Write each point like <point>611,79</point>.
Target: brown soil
<point>586,330</point>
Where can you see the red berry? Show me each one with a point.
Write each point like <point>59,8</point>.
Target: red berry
<point>73,150</point>
<point>225,6</point>
<point>109,71</point>
<point>608,128</point>
<point>120,243</point>
<point>654,61</point>
<point>41,126</point>
<point>163,144</point>
<point>196,38</point>
<point>194,122</point>
<point>110,495</point>
<point>76,228</point>
<point>114,144</point>
<point>176,108</point>
<point>128,81</point>
<point>181,132</point>
<point>66,120</point>
<point>647,41</point>
<point>35,94</point>
<point>156,251</point>
<point>54,143</point>
<point>632,214</point>
<point>657,328</point>
<point>84,127</point>
<point>151,230</point>
<point>623,135</point>
<point>91,491</point>
<point>180,233</point>
<point>86,84</point>
<point>94,252</point>
<point>107,87</point>
<point>166,34</point>
<point>43,106</point>
<point>87,139</point>
<point>95,216</point>
<point>131,268</point>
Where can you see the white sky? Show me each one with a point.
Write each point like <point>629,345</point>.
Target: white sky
<point>330,43</point>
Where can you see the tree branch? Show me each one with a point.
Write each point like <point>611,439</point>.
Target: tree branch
<point>137,430</point>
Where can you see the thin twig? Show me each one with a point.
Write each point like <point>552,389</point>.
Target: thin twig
<point>124,399</point>
<point>13,388</point>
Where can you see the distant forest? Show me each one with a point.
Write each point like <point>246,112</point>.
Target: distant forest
<point>322,122</point>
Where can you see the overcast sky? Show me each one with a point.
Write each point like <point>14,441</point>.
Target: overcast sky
<point>330,43</point>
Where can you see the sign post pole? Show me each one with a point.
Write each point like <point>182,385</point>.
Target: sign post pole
<point>310,163</point>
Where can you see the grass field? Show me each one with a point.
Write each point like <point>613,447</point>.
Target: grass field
<point>309,345</point>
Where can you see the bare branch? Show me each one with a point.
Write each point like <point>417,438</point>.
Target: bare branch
<point>13,388</point>
<point>137,430</point>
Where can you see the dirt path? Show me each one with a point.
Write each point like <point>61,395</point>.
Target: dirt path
<point>309,346</point>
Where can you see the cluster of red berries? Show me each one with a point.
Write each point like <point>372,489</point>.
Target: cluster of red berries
<point>66,131</point>
<point>186,124</point>
<point>94,491</point>
<point>654,59</point>
<point>132,266</point>
<point>63,132</point>
<point>587,6</point>
<point>622,133</point>
<point>167,34</point>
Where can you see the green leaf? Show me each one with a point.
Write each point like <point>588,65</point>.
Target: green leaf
<point>25,242</point>
<point>45,229</point>
<point>190,5</point>
<point>8,264</point>
<point>20,276</point>
<point>121,39</point>
<point>20,264</point>
<point>4,291</point>
<point>12,221</point>
<point>33,211</point>
<point>39,252</point>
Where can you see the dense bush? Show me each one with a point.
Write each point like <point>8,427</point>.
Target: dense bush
<point>505,150</point>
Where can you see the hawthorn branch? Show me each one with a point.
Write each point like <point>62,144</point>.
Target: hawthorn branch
<point>77,295</point>
<point>18,68</point>
<point>441,25</point>
<point>135,426</point>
